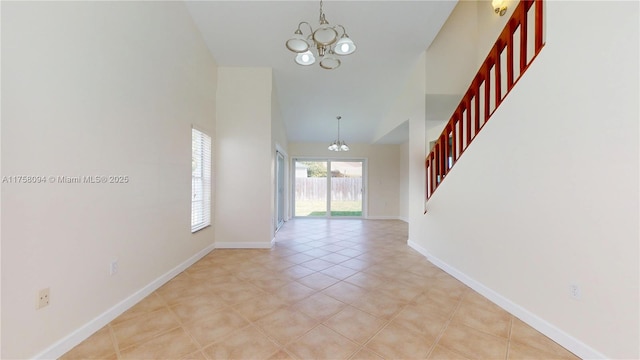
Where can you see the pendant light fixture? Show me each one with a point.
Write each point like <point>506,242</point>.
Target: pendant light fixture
<point>338,145</point>
<point>325,40</point>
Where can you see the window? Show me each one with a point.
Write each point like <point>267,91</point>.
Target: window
<point>200,180</point>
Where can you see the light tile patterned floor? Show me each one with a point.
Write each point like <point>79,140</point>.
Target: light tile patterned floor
<point>328,289</point>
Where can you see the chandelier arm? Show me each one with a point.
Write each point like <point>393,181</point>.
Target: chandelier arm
<point>344,31</point>
<point>309,25</point>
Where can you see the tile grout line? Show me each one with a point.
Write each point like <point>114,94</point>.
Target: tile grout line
<point>261,331</point>
<point>294,339</point>
<point>446,325</point>
<point>114,340</point>
<point>384,326</point>
<point>165,305</point>
<point>198,345</point>
<point>509,337</point>
<point>380,259</point>
<point>366,312</point>
<point>360,348</point>
<point>203,347</point>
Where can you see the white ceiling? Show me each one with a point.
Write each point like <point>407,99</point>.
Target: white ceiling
<point>389,35</point>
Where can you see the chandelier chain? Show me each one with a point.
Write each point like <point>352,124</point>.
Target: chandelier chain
<point>338,145</point>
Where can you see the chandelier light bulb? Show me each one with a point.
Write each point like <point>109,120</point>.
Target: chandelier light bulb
<point>305,58</point>
<point>345,46</point>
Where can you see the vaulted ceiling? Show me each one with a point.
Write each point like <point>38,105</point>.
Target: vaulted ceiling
<point>390,36</point>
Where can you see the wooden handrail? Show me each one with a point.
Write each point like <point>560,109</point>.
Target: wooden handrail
<point>486,89</point>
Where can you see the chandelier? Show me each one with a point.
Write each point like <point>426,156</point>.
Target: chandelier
<point>338,145</point>
<point>326,42</point>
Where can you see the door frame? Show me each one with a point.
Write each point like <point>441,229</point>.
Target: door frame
<point>286,189</point>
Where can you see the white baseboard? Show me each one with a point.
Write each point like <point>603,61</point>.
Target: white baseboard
<point>570,343</point>
<point>383,218</point>
<point>69,342</point>
<point>244,245</point>
<point>405,219</point>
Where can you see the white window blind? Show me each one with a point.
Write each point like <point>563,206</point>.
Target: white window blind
<point>200,180</point>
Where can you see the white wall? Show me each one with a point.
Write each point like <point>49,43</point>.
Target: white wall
<point>403,196</point>
<point>409,107</point>
<point>383,171</point>
<point>455,55</point>
<point>451,57</point>
<point>417,150</point>
<point>404,106</point>
<point>547,194</point>
<point>244,179</point>
<point>99,88</point>
<point>278,130</point>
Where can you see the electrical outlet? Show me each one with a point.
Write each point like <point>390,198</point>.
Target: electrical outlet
<point>113,267</point>
<point>43,298</point>
<point>575,292</point>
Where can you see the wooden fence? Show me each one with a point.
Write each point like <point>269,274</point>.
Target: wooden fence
<point>342,189</point>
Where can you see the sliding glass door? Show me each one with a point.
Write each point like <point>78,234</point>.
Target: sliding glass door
<point>329,188</point>
<point>346,188</point>
<point>311,188</point>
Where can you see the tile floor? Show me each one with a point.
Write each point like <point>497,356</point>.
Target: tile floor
<point>341,289</point>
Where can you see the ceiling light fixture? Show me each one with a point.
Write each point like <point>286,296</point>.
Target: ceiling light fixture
<point>499,6</point>
<point>326,42</point>
<point>338,145</point>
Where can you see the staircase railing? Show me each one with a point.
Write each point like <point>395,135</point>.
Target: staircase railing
<point>511,54</point>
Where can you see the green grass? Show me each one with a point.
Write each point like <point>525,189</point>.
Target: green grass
<point>337,213</point>
<point>338,208</point>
